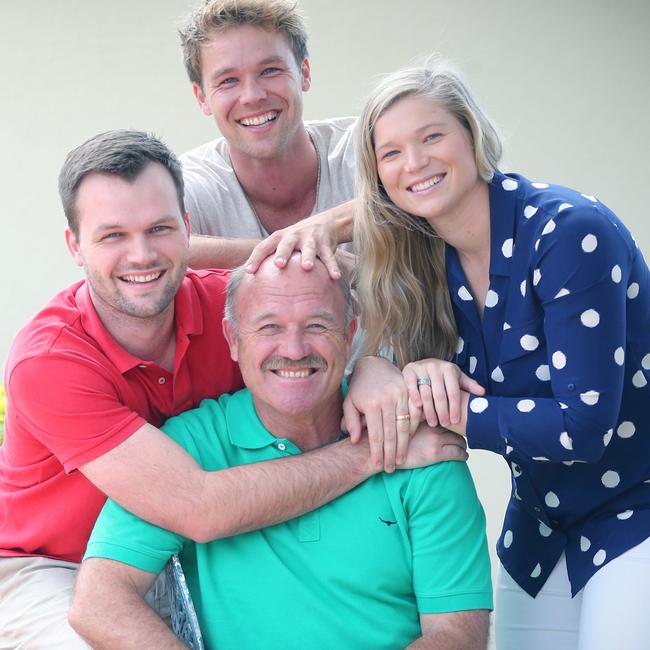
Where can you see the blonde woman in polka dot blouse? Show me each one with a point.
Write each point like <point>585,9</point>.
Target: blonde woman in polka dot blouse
<point>540,294</point>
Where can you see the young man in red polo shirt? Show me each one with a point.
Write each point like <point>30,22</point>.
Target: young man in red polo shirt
<point>91,377</point>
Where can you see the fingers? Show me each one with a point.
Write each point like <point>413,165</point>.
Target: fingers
<point>452,395</point>
<point>328,258</point>
<point>352,421</point>
<point>397,451</point>
<point>375,428</point>
<point>263,250</point>
<point>470,385</point>
<point>410,379</point>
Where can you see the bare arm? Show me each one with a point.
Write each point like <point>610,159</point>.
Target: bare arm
<point>150,475</point>
<point>467,630</point>
<point>109,610</point>
<point>315,236</point>
<point>218,252</point>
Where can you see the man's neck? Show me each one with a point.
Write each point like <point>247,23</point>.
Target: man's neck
<point>307,431</point>
<point>150,339</point>
<point>283,189</point>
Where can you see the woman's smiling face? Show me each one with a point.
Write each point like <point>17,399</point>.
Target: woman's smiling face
<point>425,159</point>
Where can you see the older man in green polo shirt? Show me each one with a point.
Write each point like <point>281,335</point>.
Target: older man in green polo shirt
<point>399,561</point>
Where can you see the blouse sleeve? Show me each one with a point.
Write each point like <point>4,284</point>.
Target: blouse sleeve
<point>582,273</point>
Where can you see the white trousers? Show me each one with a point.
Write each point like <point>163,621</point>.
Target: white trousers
<point>611,612</point>
<point>35,596</point>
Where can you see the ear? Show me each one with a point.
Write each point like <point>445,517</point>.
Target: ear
<point>188,225</point>
<point>231,338</point>
<point>352,328</point>
<point>305,75</point>
<point>73,246</point>
<point>200,98</point>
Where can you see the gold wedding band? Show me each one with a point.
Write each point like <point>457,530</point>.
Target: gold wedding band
<point>401,418</point>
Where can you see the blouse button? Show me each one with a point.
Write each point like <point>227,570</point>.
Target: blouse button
<point>161,380</point>
<point>571,386</point>
<point>281,446</point>
<point>537,509</point>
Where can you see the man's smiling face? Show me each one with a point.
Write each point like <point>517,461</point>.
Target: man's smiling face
<point>132,242</point>
<point>290,339</point>
<point>252,86</point>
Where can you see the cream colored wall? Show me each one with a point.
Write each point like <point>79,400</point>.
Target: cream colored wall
<point>568,83</point>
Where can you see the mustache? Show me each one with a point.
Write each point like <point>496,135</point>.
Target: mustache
<point>283,363</point>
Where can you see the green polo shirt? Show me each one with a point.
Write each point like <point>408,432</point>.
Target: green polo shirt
<point>354,573</point>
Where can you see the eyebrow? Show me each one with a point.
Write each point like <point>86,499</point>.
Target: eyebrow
<point>220,72</point>
<point>321,314</point>
<point>420,129</point>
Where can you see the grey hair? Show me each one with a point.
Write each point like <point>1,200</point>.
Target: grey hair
<point>238,274</point>
<point>122,153</point>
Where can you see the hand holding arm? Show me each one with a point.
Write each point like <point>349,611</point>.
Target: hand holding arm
<point>315,236</point>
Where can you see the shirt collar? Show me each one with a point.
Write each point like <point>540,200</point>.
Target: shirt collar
<point>187,313</point>
<point>244,427</point>
<point>503,218</point>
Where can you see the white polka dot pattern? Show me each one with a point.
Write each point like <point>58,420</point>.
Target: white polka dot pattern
<point>529,342</point>
<point>589,243</point>
<point>559,360</point>
<point>610,478</point>
<point>590,318</point>
<point>566,329</point>
<point>478,405</point>
<point>491,299</point>
<point>551,500</point>
<point>525,405</point>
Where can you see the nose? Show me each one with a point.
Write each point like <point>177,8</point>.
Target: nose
<point>415,159</point>
<point>141,251</point>
<point>294,345</point>
<point>252,91</point>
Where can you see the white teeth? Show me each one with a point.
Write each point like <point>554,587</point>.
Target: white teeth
<point>425,185</point>
<point>259,119</point>
<point>142,278</point>
<point>293,374</point>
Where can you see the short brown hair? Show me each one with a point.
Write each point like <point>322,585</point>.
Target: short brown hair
<point>282,16</point>
<point>122,153</point>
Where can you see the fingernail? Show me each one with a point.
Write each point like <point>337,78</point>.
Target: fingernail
<point>280,260</point>
<point>308,263</point>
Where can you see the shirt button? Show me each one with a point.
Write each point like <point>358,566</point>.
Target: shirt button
<point>281,446</point>
<point>161,380</point>
<point>142,365</point>
<point>537,509</point>
<point>571,386</point>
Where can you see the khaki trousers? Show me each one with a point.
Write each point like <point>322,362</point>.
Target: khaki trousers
<point>35,596</point>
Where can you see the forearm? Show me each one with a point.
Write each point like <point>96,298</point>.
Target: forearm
<point>218,252</point>
<point>464,630</point>
<point>253,496</point>
<point>445,640</point>
<point>343,220</point>
<point>109,612</point>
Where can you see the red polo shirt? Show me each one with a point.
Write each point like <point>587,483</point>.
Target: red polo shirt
<point>73,394</point>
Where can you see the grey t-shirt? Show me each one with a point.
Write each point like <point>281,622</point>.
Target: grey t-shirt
<point>217,204</point>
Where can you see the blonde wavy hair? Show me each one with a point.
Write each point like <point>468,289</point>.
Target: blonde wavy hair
<point>401,277</point>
